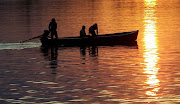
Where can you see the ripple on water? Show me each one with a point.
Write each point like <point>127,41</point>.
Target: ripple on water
<point>19,46</point>
<point>42,82</point>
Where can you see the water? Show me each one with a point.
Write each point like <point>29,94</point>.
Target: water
<point>147,73</point>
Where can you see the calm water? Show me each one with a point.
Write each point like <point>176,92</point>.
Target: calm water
<point>147,73</point>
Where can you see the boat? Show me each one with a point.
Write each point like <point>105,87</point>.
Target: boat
<point>124,38</point>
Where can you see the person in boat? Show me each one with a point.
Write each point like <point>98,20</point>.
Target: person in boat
<point>52,28</point>
<point>83,32</point>
<point>44,37</point>
<point>92,30</point>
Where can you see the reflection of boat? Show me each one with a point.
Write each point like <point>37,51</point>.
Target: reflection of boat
<point>125,38</point>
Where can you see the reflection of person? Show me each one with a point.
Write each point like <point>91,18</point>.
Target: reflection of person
<point>83,50</point>
<point>92,30</point>
<point>82,32</point>
<point>51,54</point>
<point>53,59</point>
<point>93,51</point>
<point>52,28</point>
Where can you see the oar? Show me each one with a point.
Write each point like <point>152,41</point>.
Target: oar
<point>31,39</point>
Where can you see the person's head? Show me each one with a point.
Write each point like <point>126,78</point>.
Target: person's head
<point>83,27</point>
<point>95,25</point>
<point>53,20</point>
<point>46,31</point>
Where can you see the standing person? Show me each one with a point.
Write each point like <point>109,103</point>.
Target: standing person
<point>52,28</point>
<point>92,30</point>
<point>83,32</point>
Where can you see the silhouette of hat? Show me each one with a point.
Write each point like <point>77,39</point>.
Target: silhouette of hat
<point>46,31</point>
<point>53,20</point>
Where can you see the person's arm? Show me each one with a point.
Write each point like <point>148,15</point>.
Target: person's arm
<point>49,26</point>
<point>56,26</point>
<point>97,30</point>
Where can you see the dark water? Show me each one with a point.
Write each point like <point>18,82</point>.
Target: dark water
<point>147,73</point>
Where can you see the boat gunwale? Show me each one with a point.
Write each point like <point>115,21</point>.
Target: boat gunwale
<point>99,36</point>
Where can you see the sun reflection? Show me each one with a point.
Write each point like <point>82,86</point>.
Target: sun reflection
<point>150,3</point>
<point>151,47</point>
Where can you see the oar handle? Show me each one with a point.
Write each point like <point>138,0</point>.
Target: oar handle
<point>31,39</point>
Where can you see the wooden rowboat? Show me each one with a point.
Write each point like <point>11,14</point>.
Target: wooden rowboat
<point>124,38</point>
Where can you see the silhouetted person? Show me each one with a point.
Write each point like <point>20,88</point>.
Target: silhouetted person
<point>44,37</point>
<point>92,30</point>
<point>82,32</point>
<point>52,28</point>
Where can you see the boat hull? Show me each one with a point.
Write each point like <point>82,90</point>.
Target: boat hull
<point>125,38</point>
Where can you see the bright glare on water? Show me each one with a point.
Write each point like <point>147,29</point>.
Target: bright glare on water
<point>140,74</point>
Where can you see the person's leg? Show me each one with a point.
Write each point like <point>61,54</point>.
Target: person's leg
<point>56,34</point>
<point>52,35</point>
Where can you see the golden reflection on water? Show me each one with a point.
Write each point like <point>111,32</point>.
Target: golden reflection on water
<point>151,47</point>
